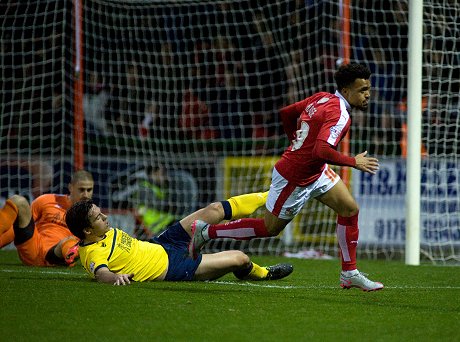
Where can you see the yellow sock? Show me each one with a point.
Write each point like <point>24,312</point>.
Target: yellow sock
<point>245,205</point>
<point>257,273</point>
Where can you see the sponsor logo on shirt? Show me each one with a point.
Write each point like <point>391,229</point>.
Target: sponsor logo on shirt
<point>310,110</point>
<point>323,100</point>
<point>335,132</point>
<point>125,242</point>
<point>289,211</point>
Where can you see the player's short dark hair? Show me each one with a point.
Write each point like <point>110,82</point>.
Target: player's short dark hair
<point>81,175</point>
<point>348,73</point>
<point>77,217</point>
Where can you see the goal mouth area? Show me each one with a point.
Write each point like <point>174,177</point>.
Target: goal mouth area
<point>197,86</point>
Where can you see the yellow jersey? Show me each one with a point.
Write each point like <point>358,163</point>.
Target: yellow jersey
<point>123,254</point>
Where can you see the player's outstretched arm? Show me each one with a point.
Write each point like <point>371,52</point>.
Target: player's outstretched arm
<point>104,275</point>
<point>360,162</point>
<point>366,164</point>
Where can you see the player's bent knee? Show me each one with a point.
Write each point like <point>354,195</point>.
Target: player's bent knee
<point>349,211</point>
<point>216,207</point>
<point>274,231</point>
<point>21,202</point>
<point>241,259</point>
<point>275,227</point>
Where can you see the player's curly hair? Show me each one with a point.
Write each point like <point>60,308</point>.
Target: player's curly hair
<point>77,217</point>
<point>348,73</point>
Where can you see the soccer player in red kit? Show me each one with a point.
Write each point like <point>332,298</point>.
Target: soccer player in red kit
<point>315,126</point>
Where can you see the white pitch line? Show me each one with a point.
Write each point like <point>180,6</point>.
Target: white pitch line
<point>326,287</point>
<point>248,284</point>
<point>252,284</point>
<point>41,272</point>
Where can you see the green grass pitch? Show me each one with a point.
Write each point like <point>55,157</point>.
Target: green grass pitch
<point>55,304</point>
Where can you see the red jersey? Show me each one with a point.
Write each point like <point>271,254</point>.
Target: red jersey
<point>320,117</point>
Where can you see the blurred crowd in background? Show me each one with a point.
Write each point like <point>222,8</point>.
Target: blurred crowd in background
<point>220,71</point>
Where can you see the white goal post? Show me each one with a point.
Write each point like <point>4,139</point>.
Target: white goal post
<point>414,132</point>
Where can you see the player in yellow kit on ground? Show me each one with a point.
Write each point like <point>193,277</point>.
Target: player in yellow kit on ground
<point>112,256</point>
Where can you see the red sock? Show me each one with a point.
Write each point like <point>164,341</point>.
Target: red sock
<point>243,229</point>
<point>347,234</point>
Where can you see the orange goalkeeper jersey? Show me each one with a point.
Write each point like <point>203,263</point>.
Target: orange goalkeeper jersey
<point>48,213</point>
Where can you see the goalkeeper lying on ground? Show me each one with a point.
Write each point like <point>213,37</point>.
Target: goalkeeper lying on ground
<point>112,256</point>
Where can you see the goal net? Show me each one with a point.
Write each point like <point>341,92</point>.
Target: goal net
<point>181,102</point>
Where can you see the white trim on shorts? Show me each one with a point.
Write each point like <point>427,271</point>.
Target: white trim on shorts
<point>300,195</point>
